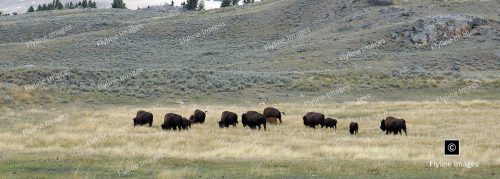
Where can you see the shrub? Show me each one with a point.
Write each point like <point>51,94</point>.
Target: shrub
<point>381,2</point>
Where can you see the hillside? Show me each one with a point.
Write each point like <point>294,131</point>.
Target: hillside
<point>231,56</point>
<point>343,78</point>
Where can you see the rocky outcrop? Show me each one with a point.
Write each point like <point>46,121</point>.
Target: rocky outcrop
<point>437,28</point>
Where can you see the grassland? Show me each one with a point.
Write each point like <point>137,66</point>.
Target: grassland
<point>62,149</point>
<point>68,127</point>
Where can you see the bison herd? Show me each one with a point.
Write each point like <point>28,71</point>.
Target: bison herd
<point>254,120</point>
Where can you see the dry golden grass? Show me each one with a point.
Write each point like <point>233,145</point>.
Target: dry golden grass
<point>475,123</point>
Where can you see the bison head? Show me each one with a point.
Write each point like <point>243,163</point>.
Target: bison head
<point>135,121</point>
<point>382,124</point>
<point>186,122</point>
<point>244,119</point>
<point>221,125</point>
<point>304,119</point>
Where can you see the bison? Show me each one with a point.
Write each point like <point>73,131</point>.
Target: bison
<point>253,119</point>
<point>311,119</point>
<point>172,121</point>
<point>143,118</point>
<point>393,125</point>
<point>272,120</point>
<point>198,116</point>
<point>353,128</point>
<point>273,112</point>
<point>228,118</point>
<point>186,123</point>
<point>329,122</point>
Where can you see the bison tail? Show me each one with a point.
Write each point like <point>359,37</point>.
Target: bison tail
<point>283,113</point>
<point>404,126</point>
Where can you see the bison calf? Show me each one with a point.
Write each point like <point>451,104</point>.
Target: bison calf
<point>228,118</point>
<point>312,119</point>
<point>329,122</point>
<point>393,125</point>
<point>186,123</point>
<point>353,128</point>
<point>273,112</point>
<point>272,120</point>
<point>253,119</point>
<point>143,118</point>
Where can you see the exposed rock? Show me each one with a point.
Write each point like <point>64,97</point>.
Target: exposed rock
<point>419,38</point>
<point>438,28</point>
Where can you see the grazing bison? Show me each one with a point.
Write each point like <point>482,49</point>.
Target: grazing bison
<point>273,112</point>
<point>311,119</point>
<point>329,122</point>
<point>228,118</point>
<point>172,121</point>
<point>353,128</point>
<point>198,116</point>
<point>186,123</point>
<point>253,119</point>
<point>393,125</point>
<point>272,120</point>
<point>143,118</point>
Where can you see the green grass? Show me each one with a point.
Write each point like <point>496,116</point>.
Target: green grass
<point>56,166</point>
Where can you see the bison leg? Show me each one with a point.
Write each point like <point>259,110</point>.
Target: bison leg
<point>264,126</point>
<point>404,129</point>
<point>150,124</point>
<point>280,119</point>
<point>259,127</point>
<point>387,132</point>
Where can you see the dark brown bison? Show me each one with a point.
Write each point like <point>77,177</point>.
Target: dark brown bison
<point>273,112</point>
<point>329,122</point>
<point>186,123</point>
<point>353,128</point>
<point>172,121</point>
<point>228,118</point>
<point>393,125</point>
<point>311,119</point>
<point>198,116</point>
<point>253,119</point>
<point>143,118</point>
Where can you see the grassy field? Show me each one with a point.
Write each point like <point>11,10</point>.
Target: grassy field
<point>67,103</point>
<point>81,142</point>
